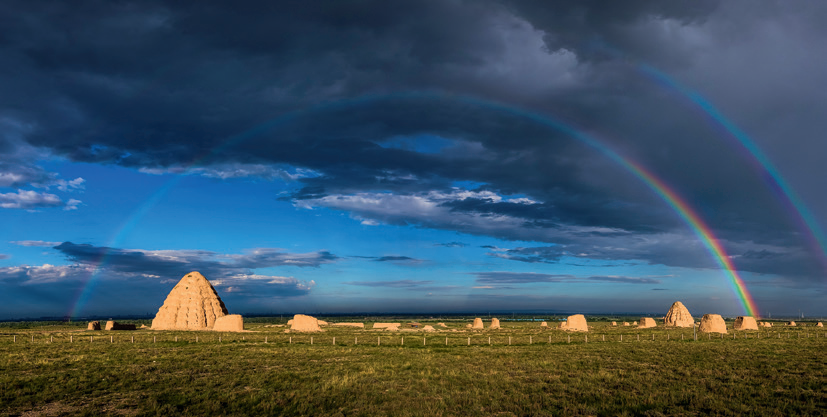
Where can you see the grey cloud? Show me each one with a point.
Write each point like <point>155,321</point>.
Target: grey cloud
<point>498,277</point>
<point>176,263</point>
<point>452,244</point>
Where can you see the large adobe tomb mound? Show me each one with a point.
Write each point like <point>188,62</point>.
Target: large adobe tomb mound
<point>678,316</point>
<point>712,323</point>
<point>193,304</point>
<point>495,324</point>
<point>477,324</point>
<point>745,323</point>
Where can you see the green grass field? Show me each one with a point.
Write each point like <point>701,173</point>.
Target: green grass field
<point>55,369</point>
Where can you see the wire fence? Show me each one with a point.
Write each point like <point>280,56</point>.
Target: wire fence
<point>369,338</point>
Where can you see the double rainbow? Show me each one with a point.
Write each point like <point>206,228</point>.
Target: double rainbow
<point>680,206</point>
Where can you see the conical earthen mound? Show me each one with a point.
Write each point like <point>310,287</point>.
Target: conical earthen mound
<point>678,316</point>
<point>192,304</point>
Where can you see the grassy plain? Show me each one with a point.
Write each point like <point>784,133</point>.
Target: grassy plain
<point>56,370</point>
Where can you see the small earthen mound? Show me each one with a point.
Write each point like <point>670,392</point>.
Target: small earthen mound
<point>712,323</point>
<point>93,325</point>
<point>745,323</point>
<point>543,324</point>
<point>791,323</point>
<point>468,326</point>
<point>229,323</point>
<point>646,323</point>
<point>428,328</point>
<point>193,304</point>
<point>576,323</point>
<point>359,325</point>
<point>634,323</point>
<point>386,325</point>
<point>323,323</point>
<point>441,325</point>
<point>614,324</point>
<point>678,316</point>
<point>144,326</point>
<point>302,323</point>
<point>495,323</point>
<point>626,323</point>
<point>819,324</point>
<point>113,325</point>
<point>477,324</point>
<point>564,325</point>
<point>766,324</point>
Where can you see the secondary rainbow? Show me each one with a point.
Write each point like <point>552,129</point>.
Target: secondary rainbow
<point>678,204</point>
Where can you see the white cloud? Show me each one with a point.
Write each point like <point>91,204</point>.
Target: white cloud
<point>230,171</point>
<point>34,243</point>
<point>72,204</point>
<point>75,184</point>
<point>46,273</point>
<point>431,209</point>
<point>26,199</point>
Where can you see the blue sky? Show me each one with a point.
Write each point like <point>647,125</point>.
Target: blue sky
<point>342,159</point>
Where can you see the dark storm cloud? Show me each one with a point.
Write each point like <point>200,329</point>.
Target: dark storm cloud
<point>263,89</point>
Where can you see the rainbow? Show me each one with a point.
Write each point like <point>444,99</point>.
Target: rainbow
<point>737,138</point>
<point>684,210</point>
<point>793,204</point>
